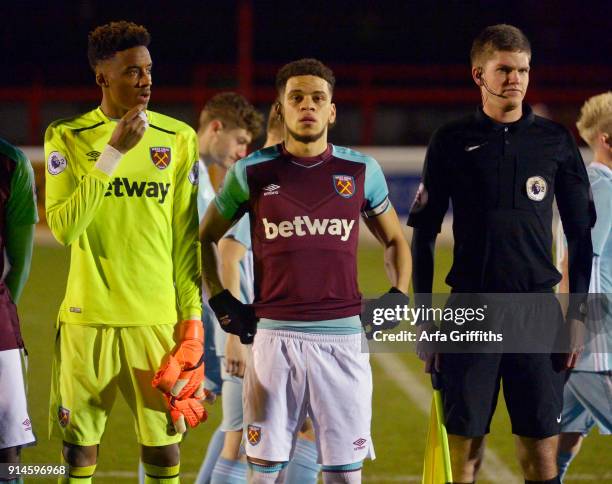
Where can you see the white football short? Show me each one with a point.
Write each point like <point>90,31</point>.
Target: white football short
<point>587,401</point>
<point>291,374</point>
<point>15,423</point>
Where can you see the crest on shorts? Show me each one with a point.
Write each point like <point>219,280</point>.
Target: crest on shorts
<point>344,185</point>
<point>161,156</point>
<point>536,188</point>
<point>56,163</point>
<point>253,434</point>
<point>63,416</point>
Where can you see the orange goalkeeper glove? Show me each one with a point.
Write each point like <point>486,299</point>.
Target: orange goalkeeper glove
<point>187,412</point>
<point>182,375</point>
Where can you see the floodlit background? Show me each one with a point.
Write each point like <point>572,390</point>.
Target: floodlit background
<point>402,70</point>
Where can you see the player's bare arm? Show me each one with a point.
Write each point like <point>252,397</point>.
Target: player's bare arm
<point>234,316</point>
<point>19,248</point>
<point>212,228</point>
<point>388,231</point>
<point>231,253</point>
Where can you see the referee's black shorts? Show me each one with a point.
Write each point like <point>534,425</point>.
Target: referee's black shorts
<point>532,385</point>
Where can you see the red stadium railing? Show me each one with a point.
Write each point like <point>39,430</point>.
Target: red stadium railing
<point>366,86</point>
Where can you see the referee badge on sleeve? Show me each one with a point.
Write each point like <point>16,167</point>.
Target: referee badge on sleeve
<point>536,188</point>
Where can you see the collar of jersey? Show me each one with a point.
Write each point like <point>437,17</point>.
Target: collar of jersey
<point>526,119</point>
<point>106,119</point>
<point>308,161</point>
<point>606,171</point>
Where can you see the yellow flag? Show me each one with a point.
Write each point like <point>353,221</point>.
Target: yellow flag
<point>436,465</point>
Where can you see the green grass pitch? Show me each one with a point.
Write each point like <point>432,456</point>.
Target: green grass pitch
<point>398,428</point>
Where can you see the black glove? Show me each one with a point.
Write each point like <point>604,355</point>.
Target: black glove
<point>234,316</point>
<point>390,299</point>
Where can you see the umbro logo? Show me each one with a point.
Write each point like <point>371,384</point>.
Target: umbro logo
<point>359,444</point>
<point>27,425</point>
<point>271,189</point>
<point>474,147</point>
<point>93,155</point>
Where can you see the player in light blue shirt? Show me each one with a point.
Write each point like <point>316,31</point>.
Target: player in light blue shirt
<point>228,123</point>
<point>587,398</point>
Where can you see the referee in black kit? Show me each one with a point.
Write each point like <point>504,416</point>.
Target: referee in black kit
<point>501,167</point>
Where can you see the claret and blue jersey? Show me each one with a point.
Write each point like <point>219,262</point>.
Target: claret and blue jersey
<point>304,216</point>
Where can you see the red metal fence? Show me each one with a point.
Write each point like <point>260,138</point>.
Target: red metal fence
<point>365,86</point>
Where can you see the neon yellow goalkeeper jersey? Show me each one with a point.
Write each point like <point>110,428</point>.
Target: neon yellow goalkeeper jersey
<point>134,234</point>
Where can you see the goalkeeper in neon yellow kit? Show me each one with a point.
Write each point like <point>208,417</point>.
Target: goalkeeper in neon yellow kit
<point>121,188</point>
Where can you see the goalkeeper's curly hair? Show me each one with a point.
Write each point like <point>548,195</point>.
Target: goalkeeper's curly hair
<point>595,117</point>
<point>106,40</point>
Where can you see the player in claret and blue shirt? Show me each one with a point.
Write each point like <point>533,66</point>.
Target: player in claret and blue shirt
<point>18,216</point>
<point>304,198</point>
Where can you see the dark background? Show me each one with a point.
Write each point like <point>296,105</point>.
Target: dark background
<point>44,46</point>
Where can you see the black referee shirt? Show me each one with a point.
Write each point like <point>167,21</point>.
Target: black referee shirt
<point>501,179</point>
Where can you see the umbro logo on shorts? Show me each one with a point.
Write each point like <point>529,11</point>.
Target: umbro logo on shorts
<point>271,189</point>
<point>359,444</point>
<point>253,434</point>
<point>27,425</point>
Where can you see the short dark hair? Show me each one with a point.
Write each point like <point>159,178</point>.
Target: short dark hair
<point>106,40</point>
<point>494,38</point>
<point>304,67</point>
<point>234,111</point>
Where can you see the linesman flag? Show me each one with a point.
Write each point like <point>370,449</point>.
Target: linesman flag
<point>436,465</point>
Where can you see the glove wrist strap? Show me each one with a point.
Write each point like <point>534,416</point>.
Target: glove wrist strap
<point>192,329</point>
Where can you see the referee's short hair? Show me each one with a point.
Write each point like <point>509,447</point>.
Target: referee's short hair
<point>108,39</point>
<point>501,37</point>
<point>595,117</point>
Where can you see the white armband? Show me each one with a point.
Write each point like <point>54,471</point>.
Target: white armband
<point>109,159</point>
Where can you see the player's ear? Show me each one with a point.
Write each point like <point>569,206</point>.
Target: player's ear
<point>101,79</point>
<point>278,110</point>
<point>216,126</point>
<point>606,140</point>
<point>332,114</point>
<point>477,75</point>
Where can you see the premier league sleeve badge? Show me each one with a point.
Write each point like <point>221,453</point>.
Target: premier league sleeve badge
<point>536,188</point>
